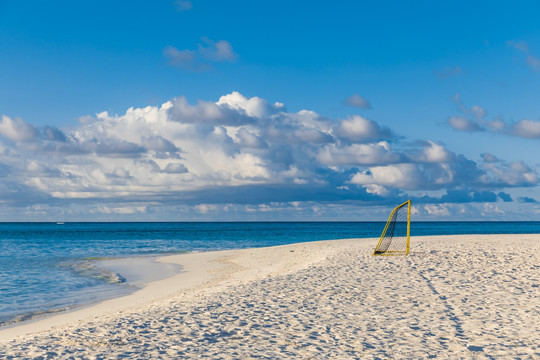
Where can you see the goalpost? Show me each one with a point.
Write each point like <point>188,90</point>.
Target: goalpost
<point>396,234</point>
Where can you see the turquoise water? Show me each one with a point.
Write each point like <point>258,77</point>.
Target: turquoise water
<point>46,267</point>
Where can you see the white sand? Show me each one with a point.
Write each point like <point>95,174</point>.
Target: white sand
<point>468,297</point>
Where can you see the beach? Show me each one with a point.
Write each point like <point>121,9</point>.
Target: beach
<point>466,296</point>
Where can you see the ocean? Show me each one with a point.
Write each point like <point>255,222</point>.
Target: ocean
<point>49,267</point>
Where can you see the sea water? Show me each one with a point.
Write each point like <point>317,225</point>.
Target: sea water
<point>49,267</point>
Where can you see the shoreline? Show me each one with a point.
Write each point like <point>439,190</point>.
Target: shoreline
<point>190,272</point>
<point>130,274</point>
<point>193,270</point>
<point>469,296</point>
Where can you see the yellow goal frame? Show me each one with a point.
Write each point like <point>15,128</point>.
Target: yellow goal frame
<point>394,252</point>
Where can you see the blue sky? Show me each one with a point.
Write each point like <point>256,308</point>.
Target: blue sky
<point>268,110</point>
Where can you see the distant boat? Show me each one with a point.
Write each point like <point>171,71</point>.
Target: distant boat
<point>59,223</point>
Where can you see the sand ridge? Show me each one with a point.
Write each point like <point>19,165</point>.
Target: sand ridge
<point>469,297</point>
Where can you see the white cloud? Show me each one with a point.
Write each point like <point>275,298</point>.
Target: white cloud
<point>497,125</point>
<point>206,208</point>
<point>122,210</point>
<point>236,150</point>
<point>478,112</point>
<point>16,129</point>
<point>439,210</point>
<point>402,176</point>
<point>358,101</point>
<point>461,123</point>
<point>254,106</point>
<point>357,154</point>
<point>377,189</point>
<point>526,128</point>
<point>433,153</point>
<point>359,129</point>
<point>175,168</point>
<point>249,139</point>
<point>216,51</point>
<point>492,209</point>
<point>515,173</point>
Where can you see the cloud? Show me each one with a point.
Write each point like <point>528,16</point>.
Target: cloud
<point>16,130</point>
<point>478,112</point>
<point>515,174</point>
<point>201,59</point>
<point>529,129</point>
<point>431,152</point>
<point>532,61</point>
<point>238,150</point>
<point>252,107</point>
<point>175,168</point>
<point>357,154</point>
<point>182,5</point>
<point>159,144</point>
<point>358,101</point>
<point>359,129</point>
<point>471,120</point>
<point>54,134</point>
<point>474,119</point>
<point>402,176</point>
<point>461,123</point>
<point>489,158</point>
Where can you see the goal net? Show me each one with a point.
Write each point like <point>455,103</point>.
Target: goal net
<point>395,236</point>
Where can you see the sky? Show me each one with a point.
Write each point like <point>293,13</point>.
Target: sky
<point>191,110</point>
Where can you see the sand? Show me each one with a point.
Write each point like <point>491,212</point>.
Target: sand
<point>453,297</point>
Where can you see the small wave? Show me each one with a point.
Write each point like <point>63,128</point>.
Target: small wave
<point>33,315</point>
<point>87,268</point>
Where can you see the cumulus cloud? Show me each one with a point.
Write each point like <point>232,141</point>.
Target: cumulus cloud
<point>16,130</point>
<point>358,101</point>
<point>236,150</point>
<point>175,168</point>
<point>202,58</point>
<point>359,129</point>
<point>431,152</point>
<point>515,173</point>
<point>403,176</point>
<point>254,106</point>
<point>357,154</point>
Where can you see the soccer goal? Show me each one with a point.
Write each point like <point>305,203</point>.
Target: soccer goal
<point>395,236</point>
